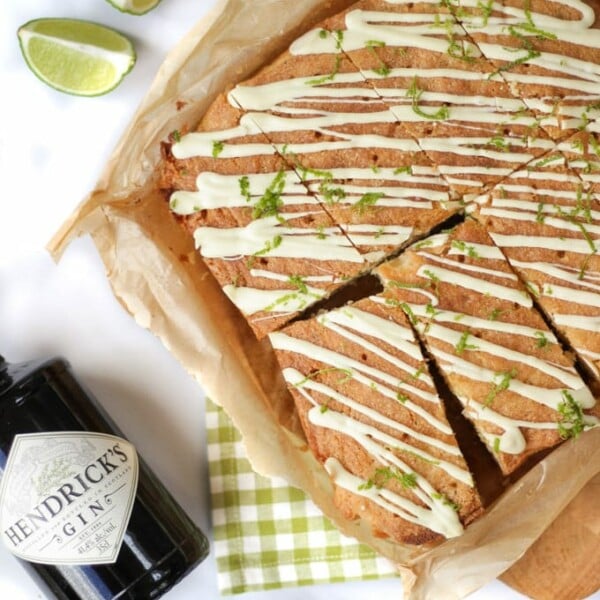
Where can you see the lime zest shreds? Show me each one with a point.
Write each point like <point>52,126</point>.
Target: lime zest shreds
<point>134,7</point>
<point>76,57</point>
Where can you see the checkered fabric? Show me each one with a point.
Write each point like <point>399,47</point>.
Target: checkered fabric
<point>269,535</point>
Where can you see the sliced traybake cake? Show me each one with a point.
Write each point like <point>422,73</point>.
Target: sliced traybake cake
<point>372,125</point>
<point>375,128</point>
<point>348,148</point>
<point>267,240</point>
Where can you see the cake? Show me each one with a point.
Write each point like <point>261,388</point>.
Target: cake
<point>346,146</point>
<point>269,243</point>
<point>376,130</point>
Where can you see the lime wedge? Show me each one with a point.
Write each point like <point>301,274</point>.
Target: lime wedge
<point>76,57</point>
<point>134,7</point>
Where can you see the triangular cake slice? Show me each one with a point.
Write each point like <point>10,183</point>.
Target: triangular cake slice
<point>549,53</point>
<point>266,239</point>
<point>546,219</point>
<point>493,348</point>
<point>373,417</point>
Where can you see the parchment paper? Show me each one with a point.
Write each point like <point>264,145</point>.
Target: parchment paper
<point>157,276</point>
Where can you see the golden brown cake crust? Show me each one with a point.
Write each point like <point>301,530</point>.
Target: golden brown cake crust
<point>301,281</point>
<point>364,187</point>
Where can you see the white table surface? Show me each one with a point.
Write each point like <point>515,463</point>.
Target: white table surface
<point>52,148</point>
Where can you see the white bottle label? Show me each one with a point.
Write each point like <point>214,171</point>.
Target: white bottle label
<point>66,497</point>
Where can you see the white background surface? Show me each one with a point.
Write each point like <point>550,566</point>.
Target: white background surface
<point>52,148</point>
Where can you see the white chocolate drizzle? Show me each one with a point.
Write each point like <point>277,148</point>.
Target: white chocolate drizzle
<point>471,322</point>
<point>252,300</point>
<point>470,282</point>
<point>437,515</point>
<point>294,242</point>
<point>272,236</point>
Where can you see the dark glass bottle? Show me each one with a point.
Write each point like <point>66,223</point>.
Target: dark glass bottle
<point>161,544</point>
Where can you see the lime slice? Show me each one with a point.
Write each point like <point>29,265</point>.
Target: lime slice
<point>76,57</point>
<point>134,7</point>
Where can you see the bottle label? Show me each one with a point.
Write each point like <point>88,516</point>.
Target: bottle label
<point>66,497</point>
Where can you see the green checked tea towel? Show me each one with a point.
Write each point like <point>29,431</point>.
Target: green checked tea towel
<point>269,535</point>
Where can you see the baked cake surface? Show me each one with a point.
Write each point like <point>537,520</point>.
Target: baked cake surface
<point>348,148</point>
<point>267,240</point>
<point>370,109</point>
